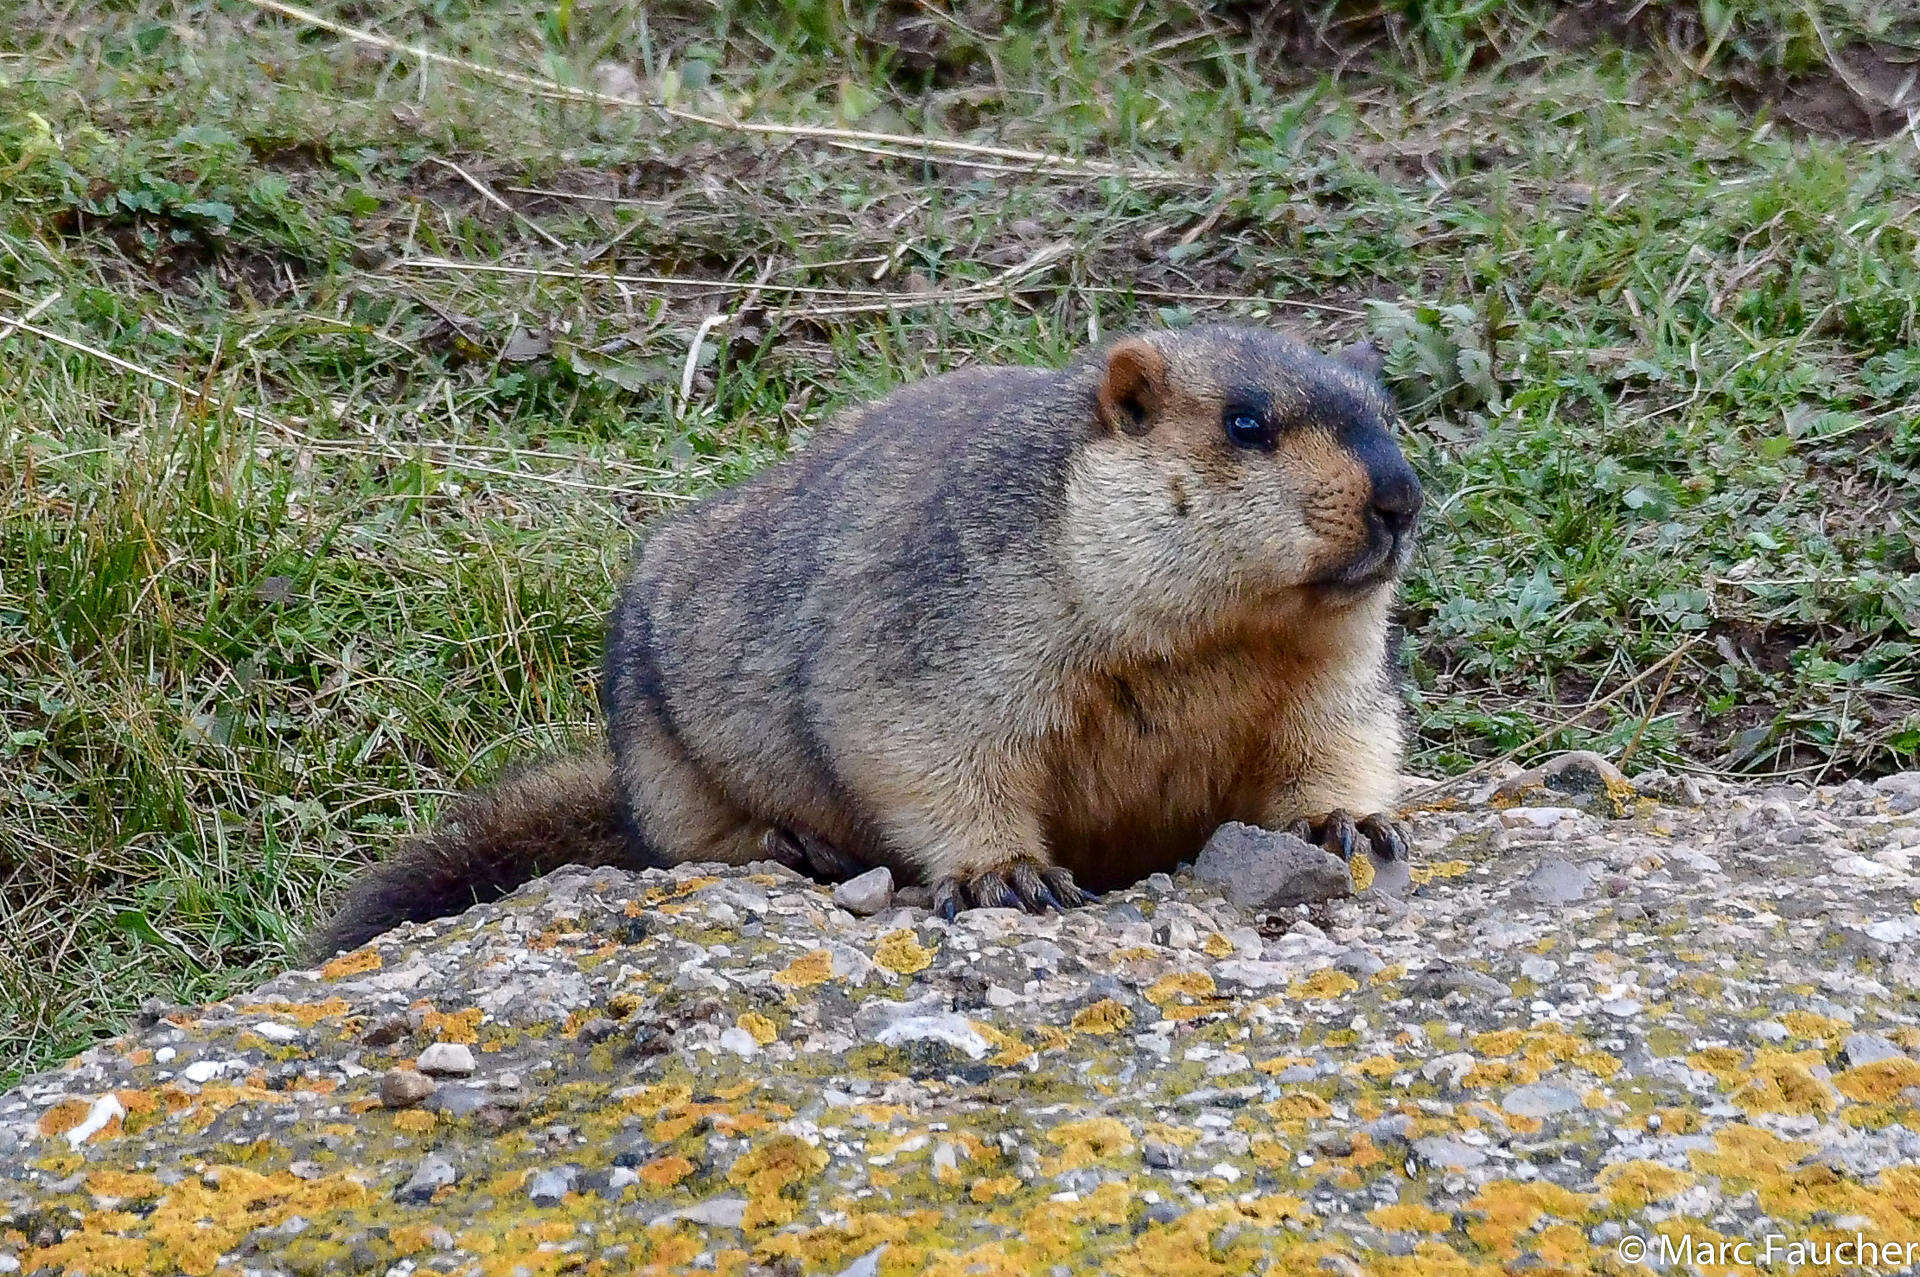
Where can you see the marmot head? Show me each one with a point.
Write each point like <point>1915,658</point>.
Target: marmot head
<point>1237,464</point>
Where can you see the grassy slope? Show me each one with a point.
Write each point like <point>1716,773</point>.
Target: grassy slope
<point>1657,345</point>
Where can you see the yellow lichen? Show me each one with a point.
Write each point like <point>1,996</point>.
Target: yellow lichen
<point>663,1173</point>
<point>1639,1183</point>
<point>771,1173</point>
<point>1439,869</point>
<point>1510,1208</point>
<point>1085,1142</point>
<point>759,1027</point>
<point>1217,946</point>
<point>992,1189</point>
<point>1103,1018</point>
<point>901,954</point>
<point>1325,984</point>
<point>1879,1082</point>
<point>359,962</point>
<point>805,971</point>
<point>1178,984</point>
<point>414,1121</point>
<point>1409,1217</point>
<point>455,1026</point>
<point>1782,1083</point>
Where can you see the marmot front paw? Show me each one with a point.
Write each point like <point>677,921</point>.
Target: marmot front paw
<point>815,857</point>
<point>1024,884</point>
<point>1340,834</point>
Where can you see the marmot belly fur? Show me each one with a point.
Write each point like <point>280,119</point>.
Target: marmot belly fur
<point>1010,631</point>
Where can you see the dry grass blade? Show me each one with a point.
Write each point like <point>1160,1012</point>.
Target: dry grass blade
<point>1049,161</point>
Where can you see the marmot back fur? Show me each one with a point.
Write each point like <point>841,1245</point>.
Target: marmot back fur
<point>1008,631</point>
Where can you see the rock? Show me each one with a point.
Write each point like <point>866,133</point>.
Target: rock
<point>432,1174</point>
<point>1540,1099</point>
<point>740,1042</point>
<point>1580,779</point>
<point>868,1265</point>
<point>1557,882</point>
<point>947,1029</point>
<point>446,1059</point>
<point>274,1031</point>
<point>201,1072</point>
<point>1262,870</point>
<point>403,1088</point>
<point>1869,1048</point>
<point>617,81</point>
<point>868,894</point>
<point>1449,1154</point>
<point>1902,790</point>
<point>717,1212</point>
<point>1160,1155</point>
<point>548,1187</point>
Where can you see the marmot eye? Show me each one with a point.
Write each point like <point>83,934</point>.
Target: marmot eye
<point>1248,431</point>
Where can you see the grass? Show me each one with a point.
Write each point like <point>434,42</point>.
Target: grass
<point>1647,289</point>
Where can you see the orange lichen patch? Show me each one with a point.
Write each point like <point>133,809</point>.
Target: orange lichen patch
<point>1747,1152</point>
<point>304,1014</point>
<point>195,1222</point>
<point>1281,1063</point>
<point>1373,1066</point>
<point>1083,1143</point>
<point>1300,1106</point>
<point>63,1117</point>
<point>1724,1062</point>
<point>1051,1037</point>
<point>1810,1190</point>
<point>1511,1208</point>
<point>759,1027</point>
<point>414,1121</point>
<point>1641,1183</point>
<point>1781,1082</point>
<point>1440,869</point>
<point>1409,1217</point>
<point>1498,1073</point>
<point>359,962</point>
<point>1807,1024</point>
<point>1179,984</point>
<point>1389,973</point>
<point>1499,1042</point>
<point>1323,985</point>
<point>1197,1010</point>
<point>1217,946</point>
<point>126,1185</point>
<point>455,1026</point>
<point>771,1173</point>
<point>805,971</point>
<point>1103,1018</point>
<point>901,954</point>
<point>663,1173</point>
<point>1677,1121</point>
<point>1008,1049</point>
<point>1599,1063</point>
<point>1879,1082</point>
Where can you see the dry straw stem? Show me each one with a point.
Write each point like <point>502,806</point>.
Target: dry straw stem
<point>1668,662</point>
<point>294,437</point>
<point>850,139</point>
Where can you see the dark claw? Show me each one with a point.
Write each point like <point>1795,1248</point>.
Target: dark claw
<point>1386,837</point>
<point>991,891</point>
<point>947,900</point>
<point>1035,895</point>
<point>1065,891</point>
<point>1341,836</point>
<point>784,847</point>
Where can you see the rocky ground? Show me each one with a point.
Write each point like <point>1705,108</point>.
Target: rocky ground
<point>1591,1020</point>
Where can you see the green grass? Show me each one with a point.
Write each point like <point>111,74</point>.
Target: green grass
<point>1647,289</point>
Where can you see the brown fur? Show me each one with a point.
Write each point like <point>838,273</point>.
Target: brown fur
<point>1008,621</point>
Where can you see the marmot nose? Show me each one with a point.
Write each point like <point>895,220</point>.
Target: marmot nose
<point>1397,498</point>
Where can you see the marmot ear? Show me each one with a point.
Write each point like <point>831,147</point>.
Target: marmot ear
<point>1364,358</point>
<point>1134,387</point>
